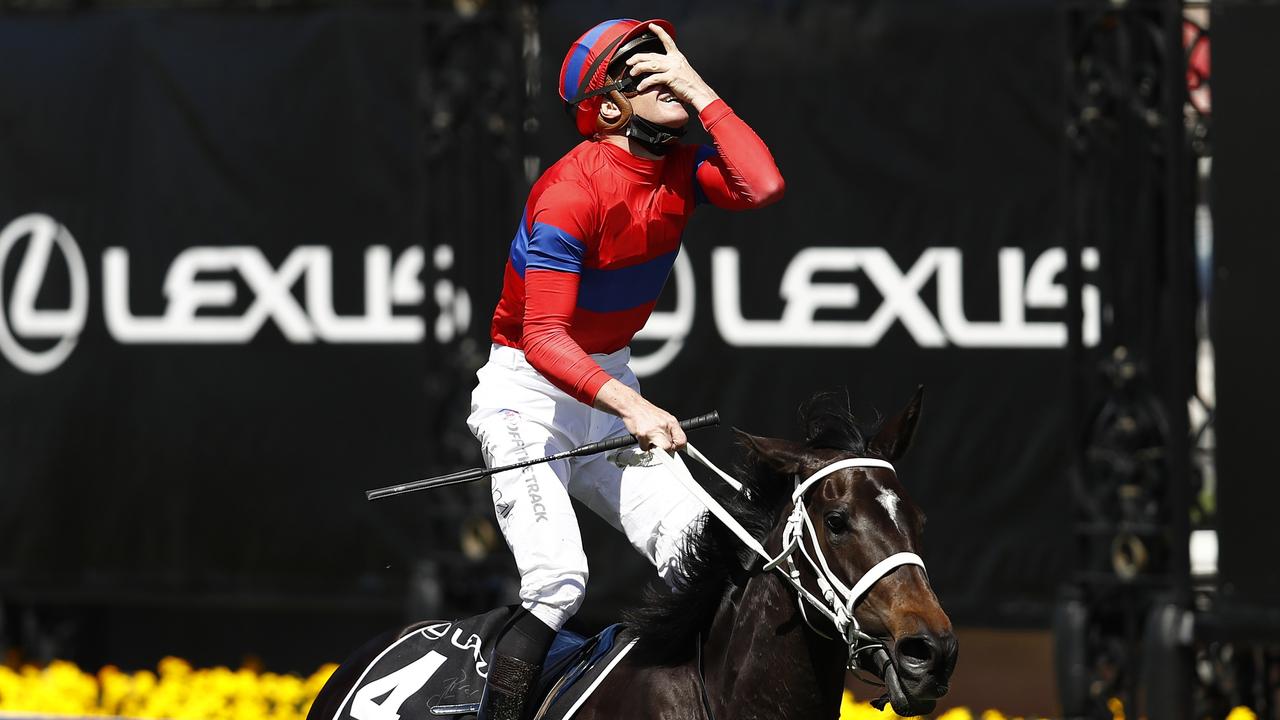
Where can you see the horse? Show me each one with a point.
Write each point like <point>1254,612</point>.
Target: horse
<point>741,636</point>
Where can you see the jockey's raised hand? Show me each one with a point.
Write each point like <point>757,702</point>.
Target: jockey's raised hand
<point>673,70</point>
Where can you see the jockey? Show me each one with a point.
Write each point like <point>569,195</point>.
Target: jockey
<point>600,232</point>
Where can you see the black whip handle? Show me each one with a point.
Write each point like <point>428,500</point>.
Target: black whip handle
<point>621,441</point>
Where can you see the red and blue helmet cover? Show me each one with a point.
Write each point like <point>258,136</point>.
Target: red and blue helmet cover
<point>605,37</point>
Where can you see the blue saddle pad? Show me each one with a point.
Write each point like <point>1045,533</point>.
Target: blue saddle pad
<point>571,655</point>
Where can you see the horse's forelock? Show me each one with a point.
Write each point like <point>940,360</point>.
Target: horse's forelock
<point>830,424</point>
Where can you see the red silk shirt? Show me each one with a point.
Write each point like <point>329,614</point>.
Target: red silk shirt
<point>600,233</point>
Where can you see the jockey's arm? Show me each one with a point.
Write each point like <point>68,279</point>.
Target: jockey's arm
<point>550,297</point>
<point>739,172</point>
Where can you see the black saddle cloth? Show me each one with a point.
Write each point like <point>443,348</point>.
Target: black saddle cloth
<point>437,668</point>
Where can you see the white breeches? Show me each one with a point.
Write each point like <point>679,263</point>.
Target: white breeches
<point>516,414</point>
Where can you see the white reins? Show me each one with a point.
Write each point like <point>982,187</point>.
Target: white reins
<point>838,600</point>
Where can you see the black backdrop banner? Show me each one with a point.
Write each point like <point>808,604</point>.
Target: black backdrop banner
<point>220,212</point>
<point>1245,149</point>
<point>241,283</point>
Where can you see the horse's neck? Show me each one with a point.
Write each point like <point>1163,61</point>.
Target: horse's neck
<point>763,661</point>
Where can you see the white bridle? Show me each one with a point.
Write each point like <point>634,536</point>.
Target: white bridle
<point>838,600</point>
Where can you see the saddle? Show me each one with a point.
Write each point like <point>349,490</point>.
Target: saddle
<point>437,668</point>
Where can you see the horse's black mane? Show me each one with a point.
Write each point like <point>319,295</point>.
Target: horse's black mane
<point>715,561</point>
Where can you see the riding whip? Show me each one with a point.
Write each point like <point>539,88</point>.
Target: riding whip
<point>613,443</point>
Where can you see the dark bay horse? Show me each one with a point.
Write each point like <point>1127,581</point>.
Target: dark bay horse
<point>760,658</point>
<point>736,640</point>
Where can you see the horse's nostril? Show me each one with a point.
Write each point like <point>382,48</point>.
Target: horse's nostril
<point>916,652</point>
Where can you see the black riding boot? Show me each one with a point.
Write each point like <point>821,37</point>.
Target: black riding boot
<point>514,669</point>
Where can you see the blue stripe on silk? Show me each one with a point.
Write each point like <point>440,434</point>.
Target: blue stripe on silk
<point>550,248</point>
<point>704,153</point>
<point>520,246</point>
<point>622,289</point>
<point>572,78</point>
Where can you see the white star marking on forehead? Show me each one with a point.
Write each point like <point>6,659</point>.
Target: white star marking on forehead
<point>890,501</point>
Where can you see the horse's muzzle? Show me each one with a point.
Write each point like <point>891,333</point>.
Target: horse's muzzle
<point>922,667</point>
<point>926,658</point>
<point>917,674</point>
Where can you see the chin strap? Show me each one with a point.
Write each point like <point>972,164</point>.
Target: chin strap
<point>657,139</point>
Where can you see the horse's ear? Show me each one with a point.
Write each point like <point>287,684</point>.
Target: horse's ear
<point>782,455</point>
<point>894,438</point>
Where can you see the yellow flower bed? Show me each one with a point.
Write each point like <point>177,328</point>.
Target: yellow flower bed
<point>851,709</point>
<point>175,691</point>
<point>178,691</point>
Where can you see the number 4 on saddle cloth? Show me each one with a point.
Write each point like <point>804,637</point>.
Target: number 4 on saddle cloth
<point>437,668</point>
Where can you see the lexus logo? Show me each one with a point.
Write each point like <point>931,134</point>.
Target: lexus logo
<point>20,319</point>
<point>925,296</point>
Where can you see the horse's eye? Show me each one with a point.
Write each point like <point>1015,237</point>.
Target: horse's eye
<point>836,522</point>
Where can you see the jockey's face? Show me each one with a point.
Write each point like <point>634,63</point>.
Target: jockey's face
<point>658,105</point>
